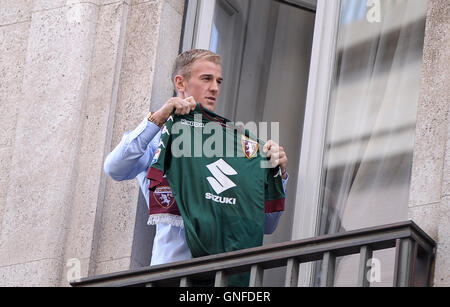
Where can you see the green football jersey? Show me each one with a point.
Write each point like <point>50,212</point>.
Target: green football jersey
<point>219,180</point>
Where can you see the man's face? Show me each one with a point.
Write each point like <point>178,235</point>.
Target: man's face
<point>204,84</point>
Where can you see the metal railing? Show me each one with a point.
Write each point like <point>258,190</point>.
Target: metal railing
<point>414,259</point>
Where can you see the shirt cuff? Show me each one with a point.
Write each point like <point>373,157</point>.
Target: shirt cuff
<point>284,182</point>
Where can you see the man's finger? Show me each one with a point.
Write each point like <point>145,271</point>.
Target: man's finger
<point>267,146</point>
<point>274,156</point>
<point>177,107</point>
<point>192,103</point>
<point>274,149</point>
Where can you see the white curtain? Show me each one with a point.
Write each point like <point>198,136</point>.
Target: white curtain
<point>372,115</point>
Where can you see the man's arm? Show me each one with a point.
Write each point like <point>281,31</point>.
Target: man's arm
<point>132,155</point>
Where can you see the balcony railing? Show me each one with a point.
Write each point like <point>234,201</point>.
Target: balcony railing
<point>414,259</point>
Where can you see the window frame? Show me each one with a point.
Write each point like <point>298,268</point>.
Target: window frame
<point>310,177</point>
<point>198,24</point>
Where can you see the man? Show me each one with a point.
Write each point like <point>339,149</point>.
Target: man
<point>197,77</point>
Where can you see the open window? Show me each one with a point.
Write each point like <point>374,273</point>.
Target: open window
<point>341,78</point>
<point>360,121</point>
<point>266,48</point>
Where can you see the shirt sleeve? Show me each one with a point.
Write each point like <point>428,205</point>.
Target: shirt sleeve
<point>271,222</point>
<point>275,192</point>
<point>132,155</point>
<point>284,182</point>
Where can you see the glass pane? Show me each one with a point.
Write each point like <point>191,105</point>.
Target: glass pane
<point>372,114</point>
<point>371,120</point>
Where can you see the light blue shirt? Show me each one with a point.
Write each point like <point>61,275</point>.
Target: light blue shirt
<point>131,159</point>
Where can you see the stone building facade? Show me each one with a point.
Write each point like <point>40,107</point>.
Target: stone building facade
<point>75,74</point>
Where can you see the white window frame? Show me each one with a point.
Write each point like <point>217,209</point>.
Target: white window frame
<point>316,116</point>
<point>199,22</point>
<point>322,67</point>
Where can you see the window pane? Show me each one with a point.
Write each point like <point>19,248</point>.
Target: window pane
<point>372,114</point>
<point>371,122</point>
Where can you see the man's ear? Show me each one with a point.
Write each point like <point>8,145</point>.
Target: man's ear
<point>180,84</point>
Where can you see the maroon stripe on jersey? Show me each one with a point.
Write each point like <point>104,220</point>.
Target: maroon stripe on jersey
<point>155,175</point>
<point>275,205</point>
<point>220,120</point>
<point>162,200</point>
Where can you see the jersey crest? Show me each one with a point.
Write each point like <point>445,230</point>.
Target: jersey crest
<point>249,146</point>
<point>164,196</point>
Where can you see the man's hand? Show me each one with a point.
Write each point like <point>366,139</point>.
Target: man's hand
<point>177,105</point>
<point>277,156</point>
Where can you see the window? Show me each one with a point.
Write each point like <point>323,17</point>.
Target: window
<point>343,84</point>
<point>370,113</point>
<point>266,49</point>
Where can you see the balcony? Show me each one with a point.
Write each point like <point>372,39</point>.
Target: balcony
<point>414,258</point>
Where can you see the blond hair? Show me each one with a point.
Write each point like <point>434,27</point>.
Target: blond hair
<point>184,61</point>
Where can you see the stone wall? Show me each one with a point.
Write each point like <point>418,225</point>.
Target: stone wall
<point>74,77</point>
<point>429,204</point>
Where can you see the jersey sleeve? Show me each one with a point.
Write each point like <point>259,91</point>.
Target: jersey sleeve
<point>162,156</point>
<point>274,192</point>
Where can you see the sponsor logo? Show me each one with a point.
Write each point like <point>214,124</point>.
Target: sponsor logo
<point>156,156</point>
<point>249,146</point>
<point>192,124</point>
<point>220,182</point>
<point>165,131</point>
<point>221,199</point>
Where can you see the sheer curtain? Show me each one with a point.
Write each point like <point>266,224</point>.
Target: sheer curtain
<point>372,116</point>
